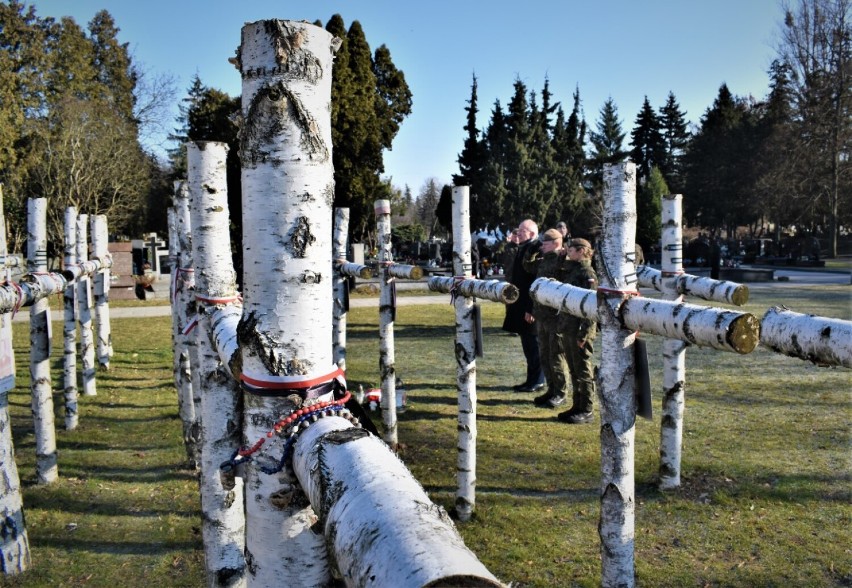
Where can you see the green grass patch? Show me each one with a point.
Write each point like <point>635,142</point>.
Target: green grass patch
<point>765,499</point>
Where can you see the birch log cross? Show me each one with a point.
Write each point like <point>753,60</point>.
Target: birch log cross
<point>183,314</point>
<point>464,290</point>
<point>820,340</point>
<point>69,300</point>
<point>100,252</point>
<point>387,316</point>
<point>14,542</point>
<point>223,517</point>
<point>47,469</point>
<point>621,314</point>
<point>84,308</point>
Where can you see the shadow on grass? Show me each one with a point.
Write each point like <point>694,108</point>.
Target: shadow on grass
<point>157,474</point>
<point>104,508</point>
<point>74,544</point>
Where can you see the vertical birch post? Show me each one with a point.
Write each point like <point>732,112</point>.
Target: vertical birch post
<point>341,298</point>
<point>184,314</point>
<point>223,518</point>
<point>285,332</point>
<point>616,262</point>
<point>100,251</point>
<point>465,348</point>
<point>14,544</point>
<point>387,316</point>
<point>674,350</point>
<point>70,332</point>
<point>84,307</point>
<point>181,367</point>
<point>47,469</point>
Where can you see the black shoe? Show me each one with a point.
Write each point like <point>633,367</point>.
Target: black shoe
<point>573,417</point>
<point>541,400</point>
<point>520,387</point>
<point>528,388</point>
<point>549,401</point>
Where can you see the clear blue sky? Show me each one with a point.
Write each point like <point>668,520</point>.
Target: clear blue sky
<point>624,49</point>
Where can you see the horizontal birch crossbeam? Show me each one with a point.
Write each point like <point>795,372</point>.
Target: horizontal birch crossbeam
<point>11,261</point>
<point>380,524</point>
<point>705,288</point>
<point>726,330</point>
<point>404,271</point>
<point>86,268</point>
<point>494,290</point>
<point>31,289</point>
<point>823,341</point>
<point>354,270</point>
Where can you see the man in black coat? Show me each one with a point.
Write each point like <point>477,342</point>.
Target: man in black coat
<point>519,318</point>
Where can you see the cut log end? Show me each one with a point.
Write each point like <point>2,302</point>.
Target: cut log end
<point>416,273</point>
<point>740,295</point>
<point>511,294</point>
<point>744,334</point>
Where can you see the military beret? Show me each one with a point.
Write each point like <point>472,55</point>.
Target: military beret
<point>580,243</point>
<point>551,235</point>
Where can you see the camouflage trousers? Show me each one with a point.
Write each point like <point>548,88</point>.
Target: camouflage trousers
<point>552,353</point>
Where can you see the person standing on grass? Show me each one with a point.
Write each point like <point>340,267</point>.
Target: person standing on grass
<point>578,334</point>
<point>546,263</point>
<point>519,318</point>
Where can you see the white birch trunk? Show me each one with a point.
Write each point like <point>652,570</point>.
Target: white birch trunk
<point>705,288</point>
<point>100,251</point>
<point>222,515</point>
<point>674,350</point>
<point>14,544</point>
<point>465,349</point>
<point>356,270</point>
<point>47,469</point>
<point>617,385</point>
<point>224,322</point>
<point>288,185</point>
<point>341,298</point>
<point>726,330</point>
<point>580,302</point>
<point>31,289</point>
<point>84,307</point>
<point>494,290</point>
<point>184,310</point>
<point>180,361</point>
<point>381,526</point>
<point>823,341</point>
<point>405,272</point>
<point>69,364</point>
<point>387,311</point>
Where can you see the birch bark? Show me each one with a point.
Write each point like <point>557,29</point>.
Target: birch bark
<point>823,341</point>
<point>617,384</point>
<point>14,543</point>
<point>341,296</point>
<point>705,288</point>
<point>100,251</point>
<point>285,333</point>
<point>84,306</point>
<point>183,304</point>
<point>69,298</point>
<point>188,312</point>
<point>465,349</point>
<point>47,469</point>
<point>494,290</point>
<point>387,313</point>
<point>223,518</point>
<point>674,350</point>
<point>381,526</point>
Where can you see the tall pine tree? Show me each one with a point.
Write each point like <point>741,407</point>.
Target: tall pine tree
<point>646,138</point>
<point>675,140</point>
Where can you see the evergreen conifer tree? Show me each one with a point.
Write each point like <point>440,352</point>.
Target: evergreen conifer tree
<point>646,139</point>
<point>472,162</point>
<point>649,206</point>
<point>675,140</point>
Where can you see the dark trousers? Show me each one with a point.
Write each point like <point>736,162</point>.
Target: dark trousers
<point>529,343</point>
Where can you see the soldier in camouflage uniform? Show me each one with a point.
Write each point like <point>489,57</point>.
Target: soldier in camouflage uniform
<point>579,334</point>
<point>545,263</point>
